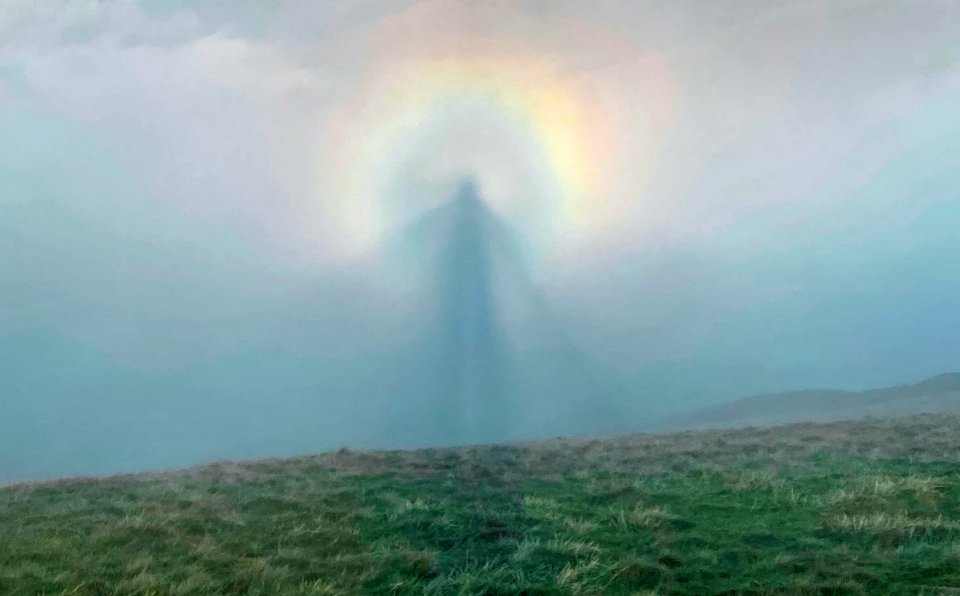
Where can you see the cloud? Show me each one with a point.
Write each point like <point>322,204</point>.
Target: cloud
<point>234,110</point>
<point>172,197</point>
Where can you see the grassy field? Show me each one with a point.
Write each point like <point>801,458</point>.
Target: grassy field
<point>844,508</point>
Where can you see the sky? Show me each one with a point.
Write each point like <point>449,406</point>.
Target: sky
<point>207,214</point>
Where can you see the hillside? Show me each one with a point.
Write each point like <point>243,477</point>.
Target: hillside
<point>938,394</point>
<point>841,508</point>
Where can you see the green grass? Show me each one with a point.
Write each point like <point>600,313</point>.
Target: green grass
<point>847,508</point>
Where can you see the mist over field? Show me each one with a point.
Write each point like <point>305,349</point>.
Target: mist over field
<point>233,230</point>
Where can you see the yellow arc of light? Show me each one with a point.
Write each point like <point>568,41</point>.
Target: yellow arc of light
<point>571,138</point>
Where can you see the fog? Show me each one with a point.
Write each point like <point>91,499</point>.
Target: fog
<point>233,230</point>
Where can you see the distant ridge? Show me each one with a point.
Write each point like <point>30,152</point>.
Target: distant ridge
<point>937,394</point>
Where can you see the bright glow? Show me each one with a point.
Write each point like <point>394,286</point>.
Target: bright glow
<point>537,142</point>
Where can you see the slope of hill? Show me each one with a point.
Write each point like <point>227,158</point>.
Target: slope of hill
<point>938,394</point>
<point>841,508</point>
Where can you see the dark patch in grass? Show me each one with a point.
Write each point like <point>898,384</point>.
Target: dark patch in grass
<point>639,573</point>
<point>760,540</point>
